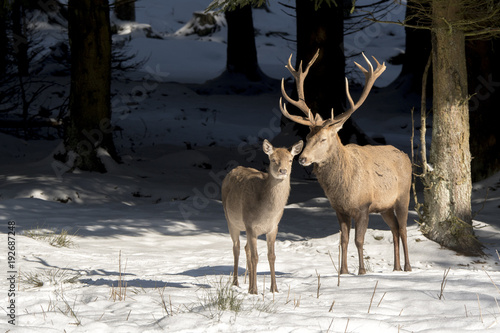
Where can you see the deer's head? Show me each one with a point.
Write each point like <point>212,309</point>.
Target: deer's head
<point>320,141</point>
<point>323,132</point>
<point>280,159</point>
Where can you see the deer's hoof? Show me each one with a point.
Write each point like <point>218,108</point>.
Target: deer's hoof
<point>362,271</point>
<point>407,268</point>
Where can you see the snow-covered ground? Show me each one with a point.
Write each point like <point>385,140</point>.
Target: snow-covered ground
<point>149,246</point>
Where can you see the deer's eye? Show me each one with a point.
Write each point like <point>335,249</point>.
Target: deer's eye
<point>323,140</point>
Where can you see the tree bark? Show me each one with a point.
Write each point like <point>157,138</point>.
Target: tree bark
<point>447,209</point>
<point>89,125</point>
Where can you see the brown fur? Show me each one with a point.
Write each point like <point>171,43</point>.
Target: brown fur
<point>359,180</point>
<point>254,201</point>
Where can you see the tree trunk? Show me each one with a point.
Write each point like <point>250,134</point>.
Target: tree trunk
<point>324,88</point>
<point>417,51</point>
<point>89,125</point>
<point>241,49</point>
<point>125,10</point>
<point>447,197</point>
<point>322,29</point>
<point>484,89</point>
<point>4,43</point>
<point>20,40</point>
<point>243,74</point>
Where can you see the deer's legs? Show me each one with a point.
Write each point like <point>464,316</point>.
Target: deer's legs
<point>361,224</point>
<point>402,215</point>
<point>345,227</point>
<point>392,222</point>
<point>235,236</point>
<point>271,256</point>
<point>252,260</point>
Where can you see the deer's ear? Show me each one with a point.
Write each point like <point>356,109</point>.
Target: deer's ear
<point>297,148</point>
<point>267,147</point>
<point>334,127</point>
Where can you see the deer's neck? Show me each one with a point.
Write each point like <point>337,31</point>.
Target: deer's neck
<point>335,174</point>
<point>275,191</point>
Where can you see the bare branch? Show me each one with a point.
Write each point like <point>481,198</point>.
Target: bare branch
<point>478,19</point>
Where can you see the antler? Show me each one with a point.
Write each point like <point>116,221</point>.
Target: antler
<point>299,76</point>
<point>370,77</point>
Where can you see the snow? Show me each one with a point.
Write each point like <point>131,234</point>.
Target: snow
<point>154,224</point>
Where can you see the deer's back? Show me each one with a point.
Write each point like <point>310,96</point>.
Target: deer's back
<point>240,183</point>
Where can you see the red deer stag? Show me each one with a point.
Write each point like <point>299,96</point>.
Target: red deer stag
<point>358,180</point>
<point>254,201</point>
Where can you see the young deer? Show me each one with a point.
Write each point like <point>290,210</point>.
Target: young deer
<point>254,201</point>
<point>358,180</point>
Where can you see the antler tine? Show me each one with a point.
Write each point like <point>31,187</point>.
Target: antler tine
<point>311,62</point>
<point>365,72</point>
<point>345,115</point>
<point>370,73</point>
<point>302,76</point>
<point>378,64</point>
<point>370,78</point>
<point>348,94</point>
<point>300,104</point>
<point>289,65</point>
<point>299,77</point>
<point>297,119</point>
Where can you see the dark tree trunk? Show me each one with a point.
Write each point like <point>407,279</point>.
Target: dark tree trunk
<point>243,74</point>
<point>89,125</point>
<point>125,10</point>
<point>20,40</point>
<point>418,51</point>
<point>484,89</point>
<point>322,29</point>
<point>324,87</point>
<point>4,42</point>
<point>241,49</point>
